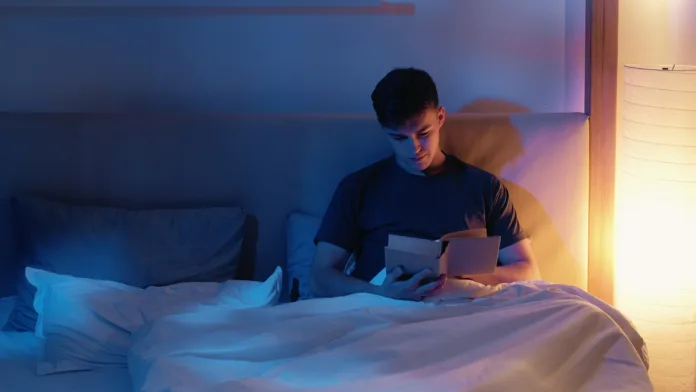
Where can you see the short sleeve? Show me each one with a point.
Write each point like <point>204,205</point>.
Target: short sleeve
<point>501,219</point>
<point>340,223</point>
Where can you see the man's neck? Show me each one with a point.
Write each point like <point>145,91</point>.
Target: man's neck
<point>437,165</point>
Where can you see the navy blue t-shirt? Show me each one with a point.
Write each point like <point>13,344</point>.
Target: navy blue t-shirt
<point>384,199</point>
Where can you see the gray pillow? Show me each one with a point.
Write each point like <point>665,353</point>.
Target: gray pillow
<point>137,247</point>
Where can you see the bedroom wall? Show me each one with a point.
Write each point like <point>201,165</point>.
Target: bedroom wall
<point>486,56</point>
<point>682,14</point>
<point>494,55</point>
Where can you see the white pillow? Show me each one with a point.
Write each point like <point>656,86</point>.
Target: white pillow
<point>300,232</point>
<point>86,323</point>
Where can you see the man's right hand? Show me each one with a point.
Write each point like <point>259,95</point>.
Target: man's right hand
<point>410,289</point>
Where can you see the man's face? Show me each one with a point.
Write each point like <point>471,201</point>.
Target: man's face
<point>417,143</point>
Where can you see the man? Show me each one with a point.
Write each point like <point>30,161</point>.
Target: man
<point>419,191</point>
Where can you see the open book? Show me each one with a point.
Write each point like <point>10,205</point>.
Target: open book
<point>468,252</point>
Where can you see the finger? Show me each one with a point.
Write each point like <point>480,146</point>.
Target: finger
<point>432,287</point>
<point>393,275</point>
<point>429,289</point>
<point>416,279</point>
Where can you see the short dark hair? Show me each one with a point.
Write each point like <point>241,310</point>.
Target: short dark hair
<point>403,94</point>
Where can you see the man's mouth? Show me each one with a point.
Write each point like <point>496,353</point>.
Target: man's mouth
<point>419,158</point>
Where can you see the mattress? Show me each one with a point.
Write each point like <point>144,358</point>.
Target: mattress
<point>18,367</point>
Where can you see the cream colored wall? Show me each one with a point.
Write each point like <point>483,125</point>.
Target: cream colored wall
<point>682,29</point>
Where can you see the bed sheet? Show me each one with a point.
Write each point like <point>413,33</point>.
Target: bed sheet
<point>527,337</point>
<point>18,370</point>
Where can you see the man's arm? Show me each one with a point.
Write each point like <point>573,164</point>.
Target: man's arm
<point>516,255</point>
<point>328,278</point>
<point>518,264</point>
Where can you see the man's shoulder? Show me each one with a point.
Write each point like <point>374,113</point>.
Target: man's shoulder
<point>473,173</point>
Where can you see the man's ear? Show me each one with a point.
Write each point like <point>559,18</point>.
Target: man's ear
<point>441,114</point>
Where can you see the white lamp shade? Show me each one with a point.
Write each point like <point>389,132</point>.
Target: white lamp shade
<point>656,219</point>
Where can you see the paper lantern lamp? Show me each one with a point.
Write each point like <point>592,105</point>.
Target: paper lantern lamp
<point>655,272</point>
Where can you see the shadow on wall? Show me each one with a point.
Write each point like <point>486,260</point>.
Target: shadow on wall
<point>492,143</point>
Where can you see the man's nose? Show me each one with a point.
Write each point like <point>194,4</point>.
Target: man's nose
<point>416,144</point>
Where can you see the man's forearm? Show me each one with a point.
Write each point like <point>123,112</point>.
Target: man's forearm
<point>329,282</point>
<point>519,271</point>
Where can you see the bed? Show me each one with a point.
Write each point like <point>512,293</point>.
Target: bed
<point>155,160</point>
<point>529,337</point>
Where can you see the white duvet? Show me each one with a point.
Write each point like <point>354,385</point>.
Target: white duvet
<point>525,337</point>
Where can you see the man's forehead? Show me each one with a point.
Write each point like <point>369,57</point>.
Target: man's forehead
<point>418,123</point>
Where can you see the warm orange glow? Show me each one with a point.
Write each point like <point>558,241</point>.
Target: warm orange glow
<point>656,219</point>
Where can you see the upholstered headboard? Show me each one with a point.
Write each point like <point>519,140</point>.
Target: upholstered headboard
<point>273,165</point>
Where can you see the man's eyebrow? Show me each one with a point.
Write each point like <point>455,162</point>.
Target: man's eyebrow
<point>420,130</point>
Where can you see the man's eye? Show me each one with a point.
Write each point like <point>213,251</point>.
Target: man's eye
<point>399,137</point>
<point>423,134</point>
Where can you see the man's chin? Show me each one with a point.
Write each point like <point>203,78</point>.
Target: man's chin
<point>415,166</point>
<point>422,165</point>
